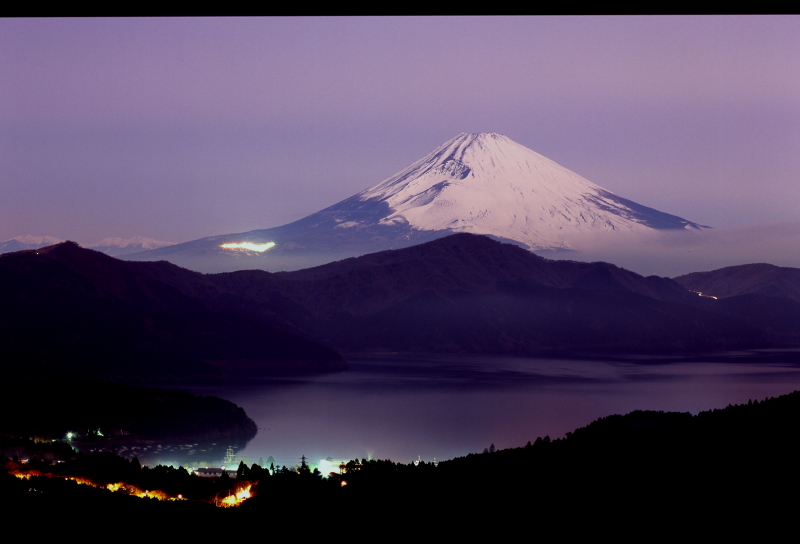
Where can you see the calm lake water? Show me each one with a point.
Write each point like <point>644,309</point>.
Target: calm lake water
<point>402,407</point>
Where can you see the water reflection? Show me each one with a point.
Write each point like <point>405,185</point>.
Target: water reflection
<point>403,406</point>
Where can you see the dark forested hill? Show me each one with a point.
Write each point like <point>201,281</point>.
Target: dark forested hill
<point>89,406</point>
<point>468,293</point>
<point>761,294</point>
<point>719,472</point>
<point>68,311</point>
<point>747,279</point>
<point>640,473</point>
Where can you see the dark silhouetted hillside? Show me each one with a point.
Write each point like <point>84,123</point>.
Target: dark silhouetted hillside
<point>72,312</point>
<point>468,293</point>
<point>747,279</point>
<point>55,407</point>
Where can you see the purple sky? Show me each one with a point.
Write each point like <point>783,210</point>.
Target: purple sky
<point>177,129</point>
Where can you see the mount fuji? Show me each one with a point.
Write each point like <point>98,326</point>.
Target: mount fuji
<point>477,183</point>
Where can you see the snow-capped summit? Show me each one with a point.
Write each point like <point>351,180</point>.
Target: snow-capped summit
<point>40,241</point>
<point>110,246</point>
<point>123,246</point>
<point>478,183</point>
<point>19,243</point>
<point>488,184</point>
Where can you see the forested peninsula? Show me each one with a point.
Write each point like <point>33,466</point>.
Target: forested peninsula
<point>644,467</point>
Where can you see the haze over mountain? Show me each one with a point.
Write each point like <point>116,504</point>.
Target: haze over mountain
<point>123,246</point>
<point>109,246</point>
<point>19,243</point>
<point>477,183</point>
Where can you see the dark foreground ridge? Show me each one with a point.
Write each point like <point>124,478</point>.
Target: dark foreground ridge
<point>622,473</point>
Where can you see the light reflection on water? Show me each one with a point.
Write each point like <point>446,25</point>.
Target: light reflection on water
<point>443,406</point>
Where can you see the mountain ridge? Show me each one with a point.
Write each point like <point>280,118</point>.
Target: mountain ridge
<point>460,294</point>
<point>469,293</point>
<point>747,279</point>
<point>113,246</point>
<point>68,311</point>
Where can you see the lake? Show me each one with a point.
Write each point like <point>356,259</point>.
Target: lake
<point>405,407</point>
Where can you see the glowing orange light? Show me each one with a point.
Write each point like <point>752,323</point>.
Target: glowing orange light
<point>236,500</point>
<point>128,489</point>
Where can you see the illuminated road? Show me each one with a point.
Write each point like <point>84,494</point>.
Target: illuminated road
<point>702,295</point>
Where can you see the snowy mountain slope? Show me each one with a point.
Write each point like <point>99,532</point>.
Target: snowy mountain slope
<point>18,243</point>
<point>110,246</point>
<point>478,183</point>
<point>489,184</point>
<point>123,246</point>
